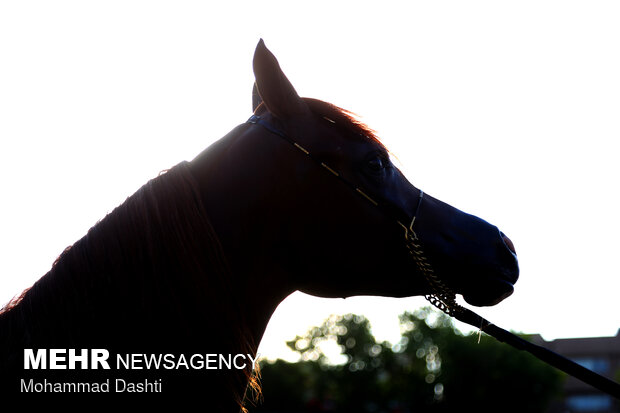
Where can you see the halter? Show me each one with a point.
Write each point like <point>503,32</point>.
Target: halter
<point>443,297</point>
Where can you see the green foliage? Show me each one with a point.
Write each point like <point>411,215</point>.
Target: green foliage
<point>432,368</point>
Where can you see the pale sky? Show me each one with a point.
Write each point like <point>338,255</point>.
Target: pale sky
<point>507,110</point>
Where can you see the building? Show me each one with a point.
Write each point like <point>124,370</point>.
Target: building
<point>599,354</point>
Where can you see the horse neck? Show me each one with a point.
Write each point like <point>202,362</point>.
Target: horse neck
<point>134,279</point>
<point>248,217</point>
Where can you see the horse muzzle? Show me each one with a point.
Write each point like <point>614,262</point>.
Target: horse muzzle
<point>498,284</point>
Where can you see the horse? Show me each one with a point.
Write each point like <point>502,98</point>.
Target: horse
<point>303,196</point>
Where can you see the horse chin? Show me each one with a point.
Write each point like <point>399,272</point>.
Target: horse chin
<point>492,294</point>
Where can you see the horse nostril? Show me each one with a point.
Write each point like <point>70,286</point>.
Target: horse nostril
<point>508,243</point>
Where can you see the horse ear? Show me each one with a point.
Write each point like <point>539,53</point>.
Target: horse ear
<point>274,89</point>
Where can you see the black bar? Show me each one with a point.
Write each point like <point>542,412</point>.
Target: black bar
<point>560,362</point>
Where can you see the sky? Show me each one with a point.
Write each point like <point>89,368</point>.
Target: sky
<point>506,110</point>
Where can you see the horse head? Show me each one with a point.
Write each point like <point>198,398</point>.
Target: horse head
<point>318,205</point>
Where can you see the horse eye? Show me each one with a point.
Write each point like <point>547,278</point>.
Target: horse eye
<point>376,164</point>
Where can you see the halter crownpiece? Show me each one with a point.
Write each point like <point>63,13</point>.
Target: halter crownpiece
<point>257,120</point>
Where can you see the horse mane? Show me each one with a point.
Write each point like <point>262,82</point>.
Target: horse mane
<point>151,275</point>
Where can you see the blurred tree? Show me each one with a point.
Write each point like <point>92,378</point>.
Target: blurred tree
<point>432,368</point>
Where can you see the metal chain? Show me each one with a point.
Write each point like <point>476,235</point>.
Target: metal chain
<point>442,296</point>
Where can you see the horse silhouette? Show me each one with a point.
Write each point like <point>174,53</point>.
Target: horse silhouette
<point>302,197</point>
